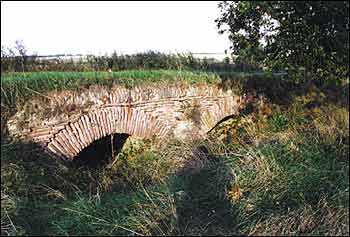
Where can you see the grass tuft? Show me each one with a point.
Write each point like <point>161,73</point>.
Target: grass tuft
<point>277,169</point>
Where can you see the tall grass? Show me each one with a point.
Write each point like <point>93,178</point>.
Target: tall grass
<point>19,87</point>
<point>274,170</point>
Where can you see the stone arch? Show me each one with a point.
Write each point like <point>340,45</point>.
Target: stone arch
<point>78,134</point>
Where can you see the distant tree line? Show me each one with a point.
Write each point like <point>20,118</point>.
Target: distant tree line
<point>17,60</point>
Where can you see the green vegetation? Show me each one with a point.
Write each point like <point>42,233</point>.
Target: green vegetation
<point>17,60</point>
<point>18,87</point>
<point>280,168</point>
<point>310,39</point>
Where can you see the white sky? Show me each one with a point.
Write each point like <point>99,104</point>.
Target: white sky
<point>101,27</point>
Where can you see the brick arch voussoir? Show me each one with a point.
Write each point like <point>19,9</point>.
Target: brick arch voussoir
<point>79,134</point>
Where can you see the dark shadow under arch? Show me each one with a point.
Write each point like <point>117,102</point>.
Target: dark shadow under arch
<point>99,152</point>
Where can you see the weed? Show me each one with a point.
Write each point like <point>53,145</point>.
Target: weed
<point>278,122</point>
<point>285,172</point>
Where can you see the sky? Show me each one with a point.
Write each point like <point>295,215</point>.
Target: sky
<point>102,27</point>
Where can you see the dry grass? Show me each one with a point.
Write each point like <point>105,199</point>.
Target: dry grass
<point>310,220</point>
<point>276,170</point>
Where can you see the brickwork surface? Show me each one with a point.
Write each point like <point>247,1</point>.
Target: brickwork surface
<point>63,123</point>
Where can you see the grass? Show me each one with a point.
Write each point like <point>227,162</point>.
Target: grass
<point>138,76</point>
<point>278,169</point>
<point>19,87</point>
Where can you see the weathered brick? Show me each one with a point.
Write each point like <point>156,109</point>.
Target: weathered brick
<point>142,111</point>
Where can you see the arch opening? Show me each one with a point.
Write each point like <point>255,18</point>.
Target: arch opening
<point>99,152</point>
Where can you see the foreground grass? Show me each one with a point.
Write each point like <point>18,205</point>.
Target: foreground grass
<point>275,170</point>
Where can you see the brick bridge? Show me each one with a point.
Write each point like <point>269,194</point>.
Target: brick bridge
<point>64,123</point>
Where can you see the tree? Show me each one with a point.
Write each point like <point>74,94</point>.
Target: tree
<point>295,35</point>
<point>22,51</point>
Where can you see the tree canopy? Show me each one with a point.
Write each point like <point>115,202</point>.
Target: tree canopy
<point>309,36</point>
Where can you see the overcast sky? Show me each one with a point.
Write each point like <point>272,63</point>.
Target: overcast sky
<point>101,27</point>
